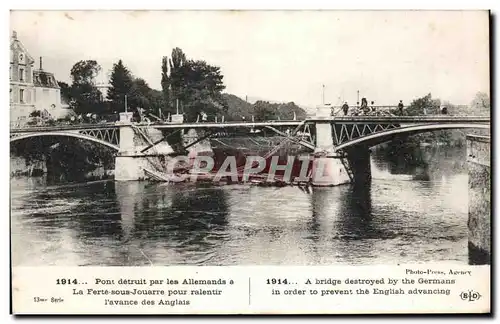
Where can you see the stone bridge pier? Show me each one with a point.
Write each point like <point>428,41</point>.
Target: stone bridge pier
<point>136,152</point>
<point>329,168</point>
<point>479,223</point>
<point>333,168</point>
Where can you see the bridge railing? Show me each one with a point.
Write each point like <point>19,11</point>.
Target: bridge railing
<point>369,118</point>
<point>357,110</point>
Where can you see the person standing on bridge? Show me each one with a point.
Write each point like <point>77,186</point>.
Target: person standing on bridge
<point>345,108</point>
<point>364,106</point>
<point>400,107</point>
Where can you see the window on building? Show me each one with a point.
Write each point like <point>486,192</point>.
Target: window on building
<point>10,94</point>
<point>21,75</point>
<point>10,73</point>
<point>21,95</point>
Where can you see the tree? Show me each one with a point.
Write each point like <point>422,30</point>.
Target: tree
<point>142,96</point>
<point>195,85</point>
<point>84,93</point>
<point>480,105</point>
<point>121,82</point>
<point>177,77</point>
<point>432,107</point>
<point>157,103</point>
<point>201,89</point>
<point>417,106</point>
<point>139,95</point>
<point>85,72</point>
<point>66,94</point>
<point>264,111</point>
<point>165,86</point>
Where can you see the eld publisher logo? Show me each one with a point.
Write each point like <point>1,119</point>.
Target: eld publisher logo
<point>470,295</point>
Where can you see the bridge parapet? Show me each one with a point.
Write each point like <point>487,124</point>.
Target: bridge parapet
<point>105,136</point>
<point>125,118</point>
<point>403,119</point>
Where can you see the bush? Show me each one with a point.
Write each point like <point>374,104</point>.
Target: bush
<point>36,113</point>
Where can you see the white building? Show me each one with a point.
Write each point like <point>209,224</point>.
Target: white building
<point>47,94</point>
<point>22,89</point>
<point>30,89</point>
<point>103,88</point>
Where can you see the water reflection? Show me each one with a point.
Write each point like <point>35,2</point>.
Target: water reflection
<point>344,216</point>
<point>356,214</point>
<point>426,164</point>
<point>182,215</point>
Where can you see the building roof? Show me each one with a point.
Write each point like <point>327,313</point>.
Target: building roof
<point>16,44</point>
<point>44,79</point>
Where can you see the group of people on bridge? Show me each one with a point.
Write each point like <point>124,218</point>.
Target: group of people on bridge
<point>368,110</point>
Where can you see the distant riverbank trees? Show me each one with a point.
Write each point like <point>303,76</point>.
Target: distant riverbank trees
<point>426,105</point>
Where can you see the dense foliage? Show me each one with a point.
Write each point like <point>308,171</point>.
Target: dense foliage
<point>193,85</point>
<point>64,157</point>
<point>83,94</point>
<point>121,81</point>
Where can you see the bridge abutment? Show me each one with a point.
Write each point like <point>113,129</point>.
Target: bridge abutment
<point>328,168</point>
<point>129,168</point>
<point>128,165</point>
<point>131,162</point>
<point>479,223</point>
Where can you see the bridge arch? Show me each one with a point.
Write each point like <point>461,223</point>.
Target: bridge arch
<point>64,134</point>
<point>386,135</point>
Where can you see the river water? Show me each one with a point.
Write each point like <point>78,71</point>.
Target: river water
<point>414,211</point>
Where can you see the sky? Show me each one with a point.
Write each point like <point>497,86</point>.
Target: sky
<point>279,55</point>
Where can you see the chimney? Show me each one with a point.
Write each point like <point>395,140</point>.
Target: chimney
<point>14,35</point>
<point>40,63</point>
